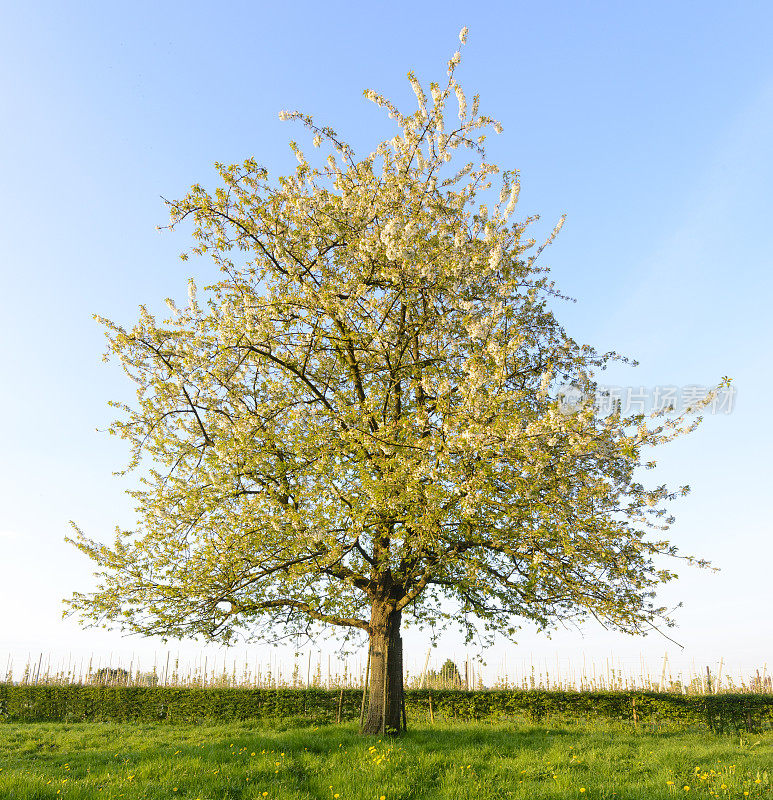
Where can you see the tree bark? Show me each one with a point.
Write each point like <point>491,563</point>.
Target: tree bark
<point>385,699</point>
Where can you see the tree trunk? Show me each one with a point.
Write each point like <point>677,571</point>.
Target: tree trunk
<point>385,700</point>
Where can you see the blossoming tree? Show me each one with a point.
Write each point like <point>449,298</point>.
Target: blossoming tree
<point>361,422</point>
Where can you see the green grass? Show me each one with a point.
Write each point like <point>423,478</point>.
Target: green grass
<point>48,761</point>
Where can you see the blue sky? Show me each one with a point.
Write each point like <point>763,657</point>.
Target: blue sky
<point>648,124</point>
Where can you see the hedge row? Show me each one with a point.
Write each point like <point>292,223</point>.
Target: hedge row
<point>721,713</point>
<point>73,703</point>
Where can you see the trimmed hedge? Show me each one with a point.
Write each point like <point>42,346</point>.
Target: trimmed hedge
<point>721,713</point>
<point>75,703</point>
<point>25,703</point>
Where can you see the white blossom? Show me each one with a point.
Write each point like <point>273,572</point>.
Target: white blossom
<point>172,307</point>
<point>462,100</point>
<point>514,192</point>
<point>192,293</point>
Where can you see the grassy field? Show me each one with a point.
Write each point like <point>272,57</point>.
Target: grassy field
<point>46,761</point>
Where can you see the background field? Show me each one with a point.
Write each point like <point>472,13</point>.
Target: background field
<point>312,670</point>
<point>90,761</point>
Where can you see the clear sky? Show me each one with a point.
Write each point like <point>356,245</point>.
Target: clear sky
<point>650,125</point>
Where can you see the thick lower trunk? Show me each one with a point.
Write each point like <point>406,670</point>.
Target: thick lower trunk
<point>385,699</point>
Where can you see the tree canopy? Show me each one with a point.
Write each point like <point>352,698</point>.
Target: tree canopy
<point>361,419</point>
